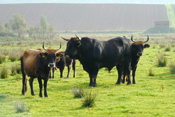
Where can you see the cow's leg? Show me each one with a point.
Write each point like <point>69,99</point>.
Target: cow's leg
<point>31,86</point>
<point>128,71</point>
<point>24,79</point>
<point>73,67</point>
<point>119,68</point>
<point>45,87</point>
<point>133,75</point>
<point>94,80</point>
<point>90,76</point>
<point>123,76</point>
<point>40,86</point>
<point>68,67</point>
<point>24,83</point>
<point>61,72</point>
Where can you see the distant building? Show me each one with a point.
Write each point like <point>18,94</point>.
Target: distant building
<point>162,24</point>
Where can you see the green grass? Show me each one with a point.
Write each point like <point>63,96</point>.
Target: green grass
<point>150,96</point>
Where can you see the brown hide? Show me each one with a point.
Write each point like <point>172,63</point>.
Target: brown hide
<point>29,61</point>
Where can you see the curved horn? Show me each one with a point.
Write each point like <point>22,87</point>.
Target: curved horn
<point>65,39</point>
<point>44,47</point>
<point>59,48</point>
<point>77,37</point>
<point>132,38</point>
<point>147,39</point>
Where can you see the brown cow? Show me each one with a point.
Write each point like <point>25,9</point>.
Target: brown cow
<point>37,64</point>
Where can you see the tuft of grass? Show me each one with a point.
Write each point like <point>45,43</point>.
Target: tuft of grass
<point>161,60</point>
<point>4,72</point>
<point>15,69</point>
<point>172,68</point>
<point>88,100</point>
<point>13,56</point>
<point>168,48</point>
<point>2,58</point>
<point>18,68</point>
<point>21,107</point>
<point>78,92</point>
<point>162,46</point>
<point>151,73</point>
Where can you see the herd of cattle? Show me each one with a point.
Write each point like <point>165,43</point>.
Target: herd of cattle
<point>92,54</point>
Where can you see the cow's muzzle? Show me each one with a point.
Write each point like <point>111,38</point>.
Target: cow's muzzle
<point>139,54</point>
<point>51,65</point>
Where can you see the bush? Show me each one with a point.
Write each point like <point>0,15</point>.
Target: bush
<point>78,92</point>
<point>15,69</point>
<point>161,60</point>
<point>20,107</point>
<point>168,48</point>
<point>151,73</point>
<point>4,72</point>
<point>172,68</point>
<point>89,100</point>
<point>13,56</point>
<point>2,58</point>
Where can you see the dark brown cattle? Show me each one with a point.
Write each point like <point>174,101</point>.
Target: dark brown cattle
<point>62,62</point>
<point>37,64</point>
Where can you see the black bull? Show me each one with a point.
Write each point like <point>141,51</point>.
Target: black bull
<point>94,54</point>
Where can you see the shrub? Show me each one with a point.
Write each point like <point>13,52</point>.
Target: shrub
<point>89,100</point>
<point>21,107</point>
<point>161,60</point>
<point>78,92</point>
<point>15,69</point>
<point>172,68</point>
<point>2,58</point>
<point>151,73</point>
<point>13,56</point>
<point>162,46</point>
<point>4,72</point>
<point>168,48</point>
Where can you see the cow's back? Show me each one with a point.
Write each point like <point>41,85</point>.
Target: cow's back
<point>29,61</point>
<point>104,53</point>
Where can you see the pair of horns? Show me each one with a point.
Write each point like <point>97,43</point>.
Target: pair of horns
<point>144,41</point>
<point>69,39</point>
<point>46,48</point>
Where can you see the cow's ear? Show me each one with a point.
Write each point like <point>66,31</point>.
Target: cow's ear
<point>43,54</point>
<point>146,46</point>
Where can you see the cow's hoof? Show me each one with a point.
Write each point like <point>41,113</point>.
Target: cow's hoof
<point>117,83</point>
<point>128,83</point>
<point>41,96</point>
<point>46,96</point>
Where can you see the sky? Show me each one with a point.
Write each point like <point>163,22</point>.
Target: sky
<point>89,1</point>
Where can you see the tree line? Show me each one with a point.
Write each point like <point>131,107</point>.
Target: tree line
<point>17,27</point>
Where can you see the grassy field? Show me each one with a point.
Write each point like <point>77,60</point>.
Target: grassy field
<point>150,96</point>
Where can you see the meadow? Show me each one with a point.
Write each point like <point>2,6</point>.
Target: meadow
<point>152,95</point>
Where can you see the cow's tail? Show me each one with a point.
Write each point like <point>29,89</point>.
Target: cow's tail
<point>24,79</point>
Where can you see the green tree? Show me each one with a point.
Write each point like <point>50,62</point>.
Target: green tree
<point>18,24</point>
<point>1,28</point>
<point>31,32</point>
<point>7,29</point>
<point>44,25</point>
